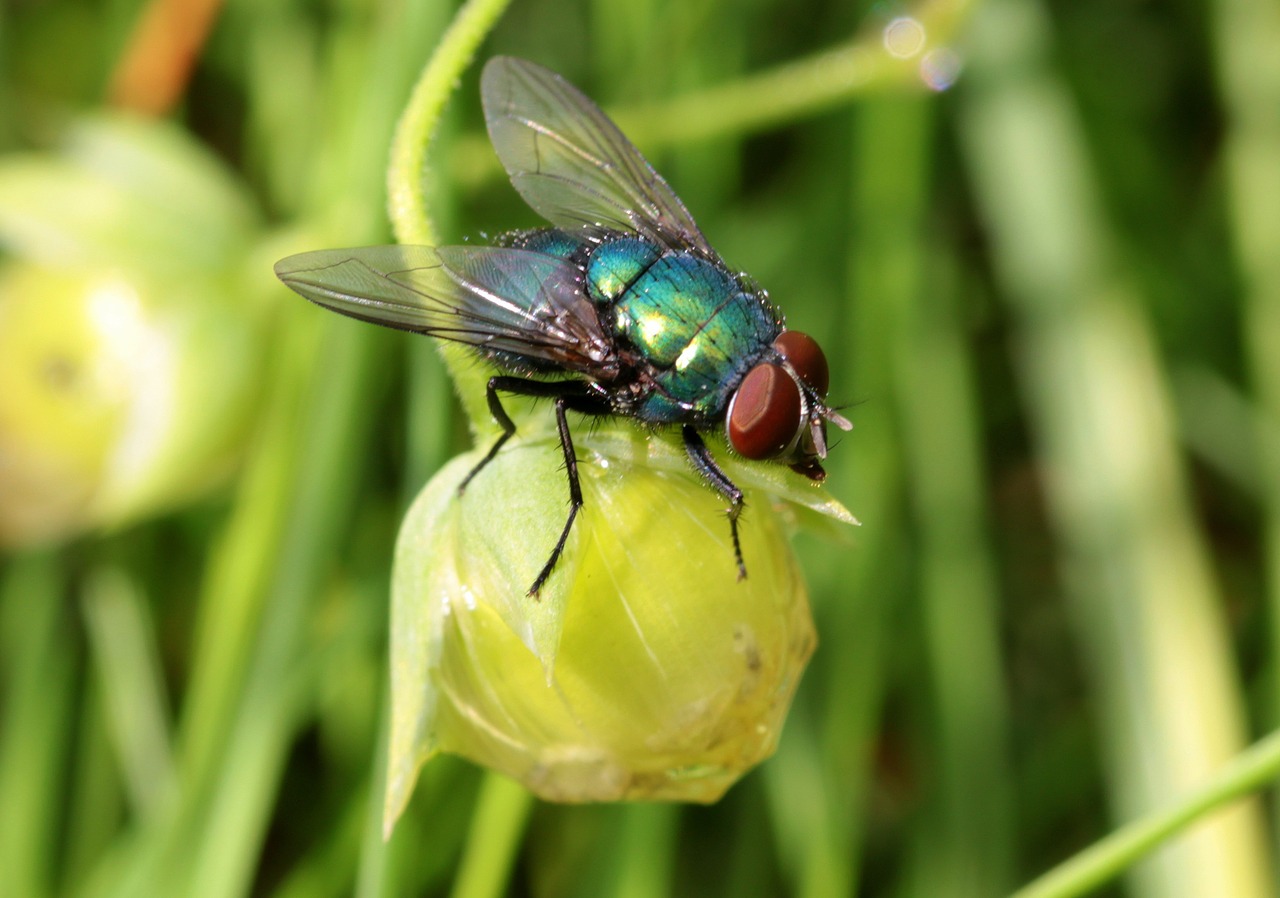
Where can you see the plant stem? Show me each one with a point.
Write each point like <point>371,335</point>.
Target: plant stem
<point>406,199</point>
<point>502,810</point>
<point>786,92</point>
<point>1251,770</point>
<point>407,174</point>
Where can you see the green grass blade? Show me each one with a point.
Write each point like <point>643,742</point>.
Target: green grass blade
<point>969,838</point>
<point>122,641</point>
<point>1246,35</point>
<point>1136,569</point>
<point>501,813</point>
<point>39,676</point>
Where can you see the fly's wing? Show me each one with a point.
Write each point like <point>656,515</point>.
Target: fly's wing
<point>492,298</point>
<point>571,163</point>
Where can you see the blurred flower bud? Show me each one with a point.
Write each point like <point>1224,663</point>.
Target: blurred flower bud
<point>645,669</point>
<point>127,349</point>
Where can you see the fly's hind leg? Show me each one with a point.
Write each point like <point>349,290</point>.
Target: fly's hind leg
<point>705,464</point>
<point>516,386</point>
<point>569,395</point>
<point>507,385</point>
<point>575,495</point>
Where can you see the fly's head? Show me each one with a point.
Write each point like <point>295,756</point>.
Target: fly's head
<point>779,411</point>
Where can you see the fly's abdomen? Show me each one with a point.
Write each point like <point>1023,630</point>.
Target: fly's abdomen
<point>694,324</point>
<point>548,241</point>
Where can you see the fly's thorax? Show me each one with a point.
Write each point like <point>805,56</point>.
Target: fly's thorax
<point>691,324</point>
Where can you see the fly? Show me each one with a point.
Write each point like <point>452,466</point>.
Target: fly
<point>621,308</point>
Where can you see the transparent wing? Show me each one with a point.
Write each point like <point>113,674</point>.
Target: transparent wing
<point>492,298</point>
<point>571,163</point>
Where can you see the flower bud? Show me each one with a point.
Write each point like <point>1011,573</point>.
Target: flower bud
<point>645,669</point>
<point>127,353</point>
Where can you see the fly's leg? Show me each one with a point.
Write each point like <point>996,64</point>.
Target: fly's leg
<point>706,465</point>
<point>575,495</point>
<point>500,415</point>
<point>569,395</point>
<point>517,386</point>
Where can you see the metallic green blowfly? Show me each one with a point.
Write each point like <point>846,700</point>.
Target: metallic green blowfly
<point>622,308</point>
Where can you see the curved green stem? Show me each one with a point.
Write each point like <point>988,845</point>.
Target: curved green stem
<point>406,176</point>
<point>1251,770</point>
<point>406,197</point>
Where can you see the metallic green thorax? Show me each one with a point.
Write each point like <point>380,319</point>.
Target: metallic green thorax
<point>695,325</point>
<point>693,321</point>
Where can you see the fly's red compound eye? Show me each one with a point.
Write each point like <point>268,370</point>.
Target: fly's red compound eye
<point>804,354</point>
<point>764,416</point>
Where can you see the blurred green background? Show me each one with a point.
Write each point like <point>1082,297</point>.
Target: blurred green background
<point>1051,298</point>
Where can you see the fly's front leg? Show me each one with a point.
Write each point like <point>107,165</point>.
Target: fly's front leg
<point>705,464</point>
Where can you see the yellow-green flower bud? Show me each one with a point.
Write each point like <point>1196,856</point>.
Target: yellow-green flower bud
<point>645,669</point>
<point>127,349</point>
<point>60,402</point>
